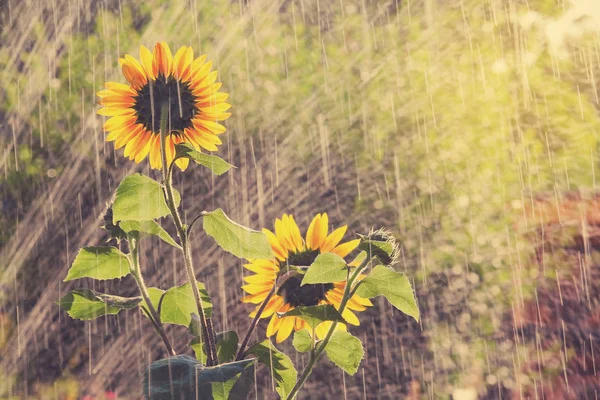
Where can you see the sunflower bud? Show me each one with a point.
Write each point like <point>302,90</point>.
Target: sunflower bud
<point>382,244</point>
<point>114,230</point>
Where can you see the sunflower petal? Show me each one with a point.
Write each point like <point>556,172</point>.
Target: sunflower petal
<point>344,249</point>
<point>286,328</point>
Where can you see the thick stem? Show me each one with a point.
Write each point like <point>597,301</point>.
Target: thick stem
<point>259,312</point>
<point>208,335</point>
<point>314,356</point>
<point>153,315</point>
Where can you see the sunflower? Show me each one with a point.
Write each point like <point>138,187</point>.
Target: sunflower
<point>188,88</point>
<point>290,248</point>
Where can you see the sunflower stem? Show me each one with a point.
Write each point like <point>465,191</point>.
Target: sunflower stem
<point>318,351</point>
<point>250,330</point>
<point>136,272</point>
<point>208,334</point>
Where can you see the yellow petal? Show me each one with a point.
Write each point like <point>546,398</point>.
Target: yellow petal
<point>273,325</point>
<point>295,233</point>
<point>344,249</point>
<point>133,75</point>
<point>286,328</point>
<point>116,111</point>
<point>162,59</point>
<point>278,250</point>
<point>119,122</point>
<point>333,239</point>
<point>146,57</point>
<point>119,88</point>
<point>350,317</point>
<point>317,231</point>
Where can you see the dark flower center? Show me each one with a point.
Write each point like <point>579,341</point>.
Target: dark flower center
<point>178,95</point>
<point>307,295</point>
<point>301,259</point>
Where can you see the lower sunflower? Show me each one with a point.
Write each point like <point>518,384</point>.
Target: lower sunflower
<point>291,249</point>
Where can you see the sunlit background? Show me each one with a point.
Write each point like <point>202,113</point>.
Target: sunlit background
<point>468,127</point>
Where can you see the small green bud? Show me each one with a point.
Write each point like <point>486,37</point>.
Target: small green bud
<point>382,244</point>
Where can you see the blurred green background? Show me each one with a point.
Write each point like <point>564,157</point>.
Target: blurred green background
<point>469,128</point>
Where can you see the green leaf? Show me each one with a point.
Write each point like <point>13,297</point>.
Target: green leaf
<point>314,315</point>
<point>85,304</point>
<point>227,344</point>
<point>140,198</point>
<point>199,349</point>
<point>215,163</point>
<point>155,295</point>
<point>278,363</point>
<point>142,228</point>
<point>303,341</point>
<point>327,268</point>
<point>179,304</point>
<point>345,351</point>
<point>240,241</point>
<point>182,377</point>
<point>99,263</point>
<point>396,287</point>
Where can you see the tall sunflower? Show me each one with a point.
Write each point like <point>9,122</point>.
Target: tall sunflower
<point>290,248</point>
<point>188,87</point>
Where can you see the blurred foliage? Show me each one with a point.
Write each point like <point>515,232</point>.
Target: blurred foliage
<point>456,117</point>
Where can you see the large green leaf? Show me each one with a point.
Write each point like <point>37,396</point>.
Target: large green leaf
<point>345,351</point>
<point>140,198</point>
<point>215,163</point>
<point>142,228</point>
<point>303,341</point>
<point>327,268</point>
<point>240,241</point>
<point>396,287</point>
<point>314,315</point>
<point>182,377</point>
<point>85,304</point>
<point>178,304</point>
<point>278,363</point>
<point>99,263</point>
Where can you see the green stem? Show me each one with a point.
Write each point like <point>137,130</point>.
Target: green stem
<point>139,279</point>
<point>316,353</point>
<point>208,335</point>
<point>259,312</point>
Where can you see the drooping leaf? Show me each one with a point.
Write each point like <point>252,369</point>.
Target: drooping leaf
<point>143,228</point>
<point>215,163</point>
<point>240,241</point>
<point>302,341</point>
<point>314,315</point>
<point>178,304</point>
<point>140,198</point>
<point>85,304</point>
<point>227,343</point>
<point>182,377</point>
<point>278,363</point>
<point>345,351</point>
<point>327,268</point>
<point>395,286</point>
<point>99,263</point>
